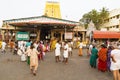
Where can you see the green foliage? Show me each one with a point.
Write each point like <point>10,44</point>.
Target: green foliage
<point>86,25</point>
<point>97,17</point>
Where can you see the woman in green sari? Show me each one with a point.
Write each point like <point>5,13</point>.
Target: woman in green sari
<point>93,57</point>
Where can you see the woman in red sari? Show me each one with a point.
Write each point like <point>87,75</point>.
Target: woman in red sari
<point>102,58</point>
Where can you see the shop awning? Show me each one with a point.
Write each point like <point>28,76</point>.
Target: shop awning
<point>106,34</point>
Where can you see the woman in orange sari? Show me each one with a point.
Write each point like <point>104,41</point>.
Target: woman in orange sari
<point>12,44</point>
<point>102,58</point>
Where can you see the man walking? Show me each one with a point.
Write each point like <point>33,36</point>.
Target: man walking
<point>57,51</point>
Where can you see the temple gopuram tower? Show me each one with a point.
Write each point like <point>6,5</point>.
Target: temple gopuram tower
<point>52,9</point>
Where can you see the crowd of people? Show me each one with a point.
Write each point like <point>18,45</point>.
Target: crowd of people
<point>106,58</point>
<point>33,52</point>
<point>30,52</point>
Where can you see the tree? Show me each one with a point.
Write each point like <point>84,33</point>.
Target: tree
<point>104,13</point>
<point>97,17</point>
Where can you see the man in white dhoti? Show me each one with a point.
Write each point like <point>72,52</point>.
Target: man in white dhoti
<point>65,54</point>
<point>57,51</point>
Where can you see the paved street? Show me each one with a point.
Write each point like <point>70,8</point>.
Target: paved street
<point>77,69</point>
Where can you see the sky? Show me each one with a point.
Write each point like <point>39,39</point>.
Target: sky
<point>70,9</point>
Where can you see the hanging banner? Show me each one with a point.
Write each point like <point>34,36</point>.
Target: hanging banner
<point>22,36</point>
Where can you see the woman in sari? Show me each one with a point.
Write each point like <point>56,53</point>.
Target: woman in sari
<point>110,48</point>
<point>93,57</point>
<point>12,44</point>
<point>102,58</point>
<point>33,59</point>
<point>80,49</point>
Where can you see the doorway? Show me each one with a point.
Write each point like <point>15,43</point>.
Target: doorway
<point>45,34</point>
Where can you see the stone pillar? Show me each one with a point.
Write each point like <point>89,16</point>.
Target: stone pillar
<point>83,36</point>
<point>3,36</point>
<point>73,33</point>
<point>38,35</point>
<point>61,38</point>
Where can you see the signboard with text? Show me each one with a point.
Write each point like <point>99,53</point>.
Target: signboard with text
<point>22,36</point>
